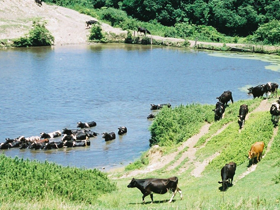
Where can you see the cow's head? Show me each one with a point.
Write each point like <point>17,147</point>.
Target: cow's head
<point>132,183</point>
<point>251,155</point>
<point>250,90</point>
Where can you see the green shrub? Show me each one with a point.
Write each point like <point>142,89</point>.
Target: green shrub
<point>114,16</point>
<point>96,33</point>
<point>37,36</point>
<point>146,40</point>
<point>268,33</point>
<point>175,125</point>
<point>129,38</point>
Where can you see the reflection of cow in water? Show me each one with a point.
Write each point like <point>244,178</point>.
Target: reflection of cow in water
<point>39,2</point>
<point>143,30</point>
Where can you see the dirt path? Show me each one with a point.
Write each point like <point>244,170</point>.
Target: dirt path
<point>254,166</point>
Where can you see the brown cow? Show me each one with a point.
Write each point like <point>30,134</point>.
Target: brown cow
<point>256,151</point>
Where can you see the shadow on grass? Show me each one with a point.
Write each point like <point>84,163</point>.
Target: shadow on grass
<point>228,186</point>
<point>155,202</point>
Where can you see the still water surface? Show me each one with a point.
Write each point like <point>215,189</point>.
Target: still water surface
<point>48,89</point>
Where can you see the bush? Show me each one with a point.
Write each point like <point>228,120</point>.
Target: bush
<point>129,38</point>
<point>114,16</point>
<point>39,35</point>
<point>268,33</point>
<point>172,126</point>
<point>96,33</point>
<point>146,40</point>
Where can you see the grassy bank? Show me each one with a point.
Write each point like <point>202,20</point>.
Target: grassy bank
<point>48,186</point>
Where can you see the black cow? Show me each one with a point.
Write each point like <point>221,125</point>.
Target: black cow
<point>227,174</point>
<point>54,134</point>
<point>219,110</point>
<point>80,136</point>
<point>90,133</point>
<point>270,88</point>
<point>86,125</point>
<point>67,137</point>
<point>243,111</point>
<point>70,131</point>
<point>13,142</point>
<point>159,106</point>
<point>159,186</point>
<point>225,97</point>
<point>257,91</point>
<point>275,112</point>
<point>5,145</point>
<point>143,30</point>
<point>122,130</point>
<point>90,22</point>
<point>39,2</point>
<point>52,145</point>
<point>109,136</point>
<point>151,116</point>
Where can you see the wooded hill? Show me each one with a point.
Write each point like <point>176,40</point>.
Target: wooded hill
<point>232,17</point>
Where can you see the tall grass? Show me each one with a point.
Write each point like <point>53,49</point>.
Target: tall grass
<point>31,180</point>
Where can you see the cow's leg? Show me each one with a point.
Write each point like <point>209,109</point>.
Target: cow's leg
<point>174,193</point>
<point>152,197</point>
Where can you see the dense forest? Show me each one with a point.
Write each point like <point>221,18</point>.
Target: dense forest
<point>231,17</point>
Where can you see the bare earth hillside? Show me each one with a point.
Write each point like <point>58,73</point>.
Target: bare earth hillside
<point>66,25</point>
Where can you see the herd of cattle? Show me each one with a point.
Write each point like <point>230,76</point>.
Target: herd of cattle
<point>161,186</point>
<point>69,138</point>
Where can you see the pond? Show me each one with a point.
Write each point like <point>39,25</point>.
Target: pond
<point>47,89</point>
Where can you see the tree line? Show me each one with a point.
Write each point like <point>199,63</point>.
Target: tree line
<point>231,17</point>
<point>257,20</point>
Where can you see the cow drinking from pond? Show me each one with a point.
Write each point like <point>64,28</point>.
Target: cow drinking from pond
<point>243,111</point>
<point>153,185</point>
<point>227,174</point>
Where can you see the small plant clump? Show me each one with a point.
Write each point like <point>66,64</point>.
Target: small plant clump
<point>39,35</point>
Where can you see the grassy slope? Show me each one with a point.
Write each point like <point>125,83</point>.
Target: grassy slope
<point>257,190</point>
